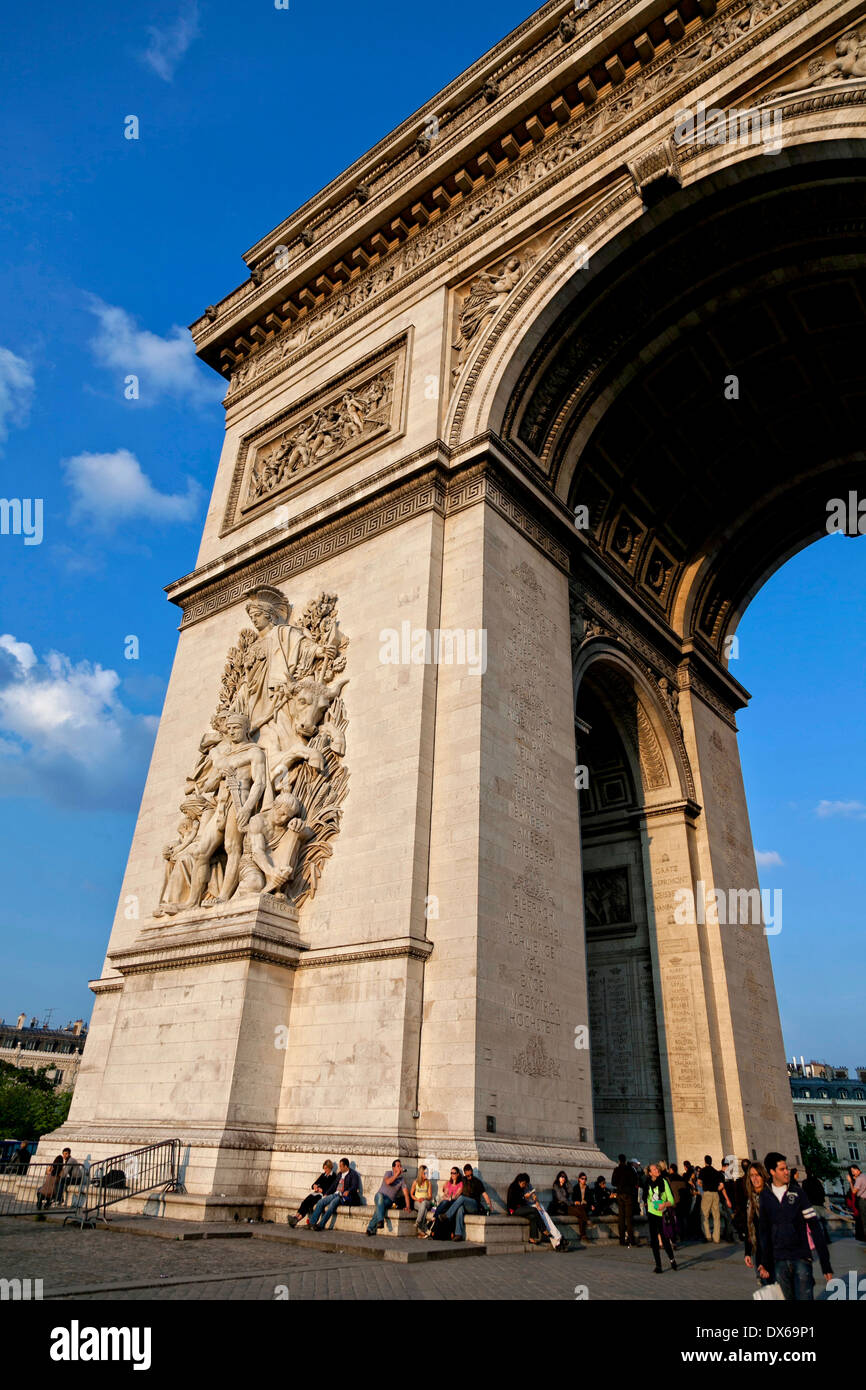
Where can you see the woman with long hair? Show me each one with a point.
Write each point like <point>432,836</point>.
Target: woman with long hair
<point>519,1202</point>
<point>422,1196</point>
<point>757,1181</point>
<point>449,1193</point>
<point>659,1200</point>
<point>560,1202</point>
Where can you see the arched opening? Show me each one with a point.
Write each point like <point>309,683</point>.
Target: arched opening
<point>631,774</point>
<point>626,1077</point>
<point>702,397</point>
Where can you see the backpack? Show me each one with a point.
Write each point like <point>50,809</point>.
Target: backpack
<point>115,1177</point>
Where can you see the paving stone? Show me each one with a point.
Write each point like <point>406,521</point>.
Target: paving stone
<point>119,1265</point>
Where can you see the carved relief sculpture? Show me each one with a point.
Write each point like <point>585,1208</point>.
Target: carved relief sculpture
<point>850,60</point>
<point>323,435</point>
<point>487,296</point>
<point>607,900</point>
<point>264,799</point>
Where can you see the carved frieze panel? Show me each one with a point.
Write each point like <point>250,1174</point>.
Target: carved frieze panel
<point>341,422</point>
<point>607,902</point>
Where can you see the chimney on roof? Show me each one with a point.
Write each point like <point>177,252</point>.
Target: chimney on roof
<point>77,1026</point>
<point>21,1020</point>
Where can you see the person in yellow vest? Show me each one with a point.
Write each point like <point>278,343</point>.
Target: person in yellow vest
<point>659,1200</point>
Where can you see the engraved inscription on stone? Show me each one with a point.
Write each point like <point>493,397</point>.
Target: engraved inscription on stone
<point>532,921</point>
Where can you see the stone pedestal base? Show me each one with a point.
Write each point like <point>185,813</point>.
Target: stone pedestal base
<point>197,1016</point>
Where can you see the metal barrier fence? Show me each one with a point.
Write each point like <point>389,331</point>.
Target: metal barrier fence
<point>82,1191</point>
<point>22,1189</point>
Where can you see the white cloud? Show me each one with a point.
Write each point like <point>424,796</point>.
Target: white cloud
<point>767,858</point>
<point>165,366</point>
<point>850,810</point>
<point>16,391</point>
<point>112,488</point>
<point>167,46</point>
<point>65,736</point>
<point>23,653</point>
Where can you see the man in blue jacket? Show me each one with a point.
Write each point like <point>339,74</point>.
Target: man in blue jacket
<point>346,1194</point>
<point>787,1218</point>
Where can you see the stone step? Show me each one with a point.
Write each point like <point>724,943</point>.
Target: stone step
<point>343,1242</point>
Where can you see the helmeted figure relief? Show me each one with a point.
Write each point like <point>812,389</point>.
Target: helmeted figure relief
<point>488,295</point>
<point>264,799</point>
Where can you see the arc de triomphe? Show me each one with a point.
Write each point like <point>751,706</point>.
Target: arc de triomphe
<point>444,848</point>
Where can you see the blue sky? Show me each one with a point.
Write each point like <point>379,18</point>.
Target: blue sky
<point>109,248</point>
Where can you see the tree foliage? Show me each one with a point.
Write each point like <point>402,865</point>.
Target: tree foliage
<point>815,1155</point>
<point>30,1106</point>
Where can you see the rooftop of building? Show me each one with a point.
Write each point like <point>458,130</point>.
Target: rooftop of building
<point>33,1030</point>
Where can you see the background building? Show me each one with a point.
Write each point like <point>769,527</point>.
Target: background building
<point>835,1103</point>
<point>31,1045</point>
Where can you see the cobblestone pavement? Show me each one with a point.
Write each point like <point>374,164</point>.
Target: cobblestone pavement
<point>82,1265</point>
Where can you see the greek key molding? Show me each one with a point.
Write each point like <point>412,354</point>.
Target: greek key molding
<point>436,491</point>
<point>486,488</point>
<point>693,683</point>
<point>335,538</point>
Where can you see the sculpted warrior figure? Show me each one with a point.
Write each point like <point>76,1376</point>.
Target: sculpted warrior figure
<point>488,295</point>
<point>265,795</point>
<point>245,789</point>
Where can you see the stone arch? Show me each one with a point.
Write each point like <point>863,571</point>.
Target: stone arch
<point>654,739</point>
<point>694,501</point>
<point>613,227</point>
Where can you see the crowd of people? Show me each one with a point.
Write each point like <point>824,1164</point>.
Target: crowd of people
<point>777,1214</point>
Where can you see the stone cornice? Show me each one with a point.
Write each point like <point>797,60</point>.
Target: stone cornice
<point>285,559</point>
<point>657,78</point>
<point>108,984</point>
<point>311,522</point>
<point>686,806</point>
<point>357,1143</point>
<point>515,56</point>
<point>266,930</point>
<point>411,946</point>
